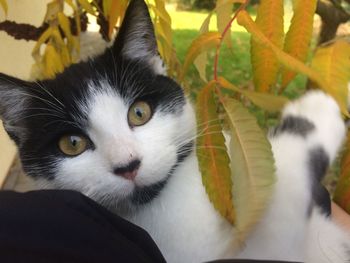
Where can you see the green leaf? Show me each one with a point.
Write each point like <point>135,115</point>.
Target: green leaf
<point>252,167</point>
<point>212,154</point>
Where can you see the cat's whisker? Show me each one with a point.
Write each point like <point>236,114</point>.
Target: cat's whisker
<point>49,93</point>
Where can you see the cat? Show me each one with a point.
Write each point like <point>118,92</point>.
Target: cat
<point>120,131</point>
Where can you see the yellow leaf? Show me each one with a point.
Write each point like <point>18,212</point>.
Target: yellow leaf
<point>333,64</point>
<point>201,65</point>
<point>42,39</point>
<point>342,192</point>
<point>4,6</point>
<point>116,13</point>
<point>299,35</point>
<point>52,10</point>
<point>87,6</point>
<point>265,66</point>
<point>287,60</point>
<point>65,25</point>
<point>223,13</point>
<point>202,43</point>
<point>52,62</point>
<point>266,101</point>
<point>252,167</point>
<point>212,154</point>
<point>106,5</point>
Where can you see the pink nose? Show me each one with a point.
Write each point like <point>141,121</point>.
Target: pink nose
<point>129,171</point>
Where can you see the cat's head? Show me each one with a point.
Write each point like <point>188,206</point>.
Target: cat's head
<point>114,127</point>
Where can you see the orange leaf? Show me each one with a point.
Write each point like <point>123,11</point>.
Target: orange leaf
<point>265,66</point>
<point>212,154</point>
<point>202,43</point>
<point>299,35</point>
<point>342,192</point>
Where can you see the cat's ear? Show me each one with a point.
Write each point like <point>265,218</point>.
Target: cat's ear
<point>136,38</point>
<point>13,102</point>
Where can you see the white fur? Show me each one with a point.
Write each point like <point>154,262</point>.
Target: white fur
<point>181,220</point>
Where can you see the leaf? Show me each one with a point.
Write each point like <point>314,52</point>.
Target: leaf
<point>4,6</point>
<point>265,66</point>
<point>202,43</point>
<point>287,60</point>
<point>42,39</point>
<point>52,62</point>
<point>223,14</point>
<point>342,191</point>
<point>212,154</point>
<point>201,65</point>
<point>87,7</point>
<point>252,167</point>
<point>333,63</point>
<point>65,25</point>
<point>299,35</point>
<point>116,12</point>
<point>266,101</point>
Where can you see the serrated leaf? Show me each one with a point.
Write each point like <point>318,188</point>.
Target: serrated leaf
<point>202,43</point>
<point>333,63</point>
<point>299,35</point>
<point>266,101</point>
<point>252,167</point>
<point>87,6</point>
<point>265,66</point>
<point>4,6</point>
<point>287,60</point>
<point>342,191</point>
<point>212,154</point>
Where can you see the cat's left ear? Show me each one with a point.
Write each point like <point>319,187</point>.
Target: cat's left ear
<point>136,38</point>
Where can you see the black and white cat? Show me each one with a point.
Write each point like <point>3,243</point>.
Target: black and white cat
<point>117,129</point>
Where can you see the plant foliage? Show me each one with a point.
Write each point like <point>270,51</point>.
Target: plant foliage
<point>237,178</point>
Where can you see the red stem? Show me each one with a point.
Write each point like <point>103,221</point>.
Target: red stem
<point>216,61</point>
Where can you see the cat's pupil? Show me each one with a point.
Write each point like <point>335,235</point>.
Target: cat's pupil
<point>74,141</point>
<point>139,112</point>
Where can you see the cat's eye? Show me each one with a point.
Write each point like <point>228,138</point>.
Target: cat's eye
<point>139,113</point>
<point>73,145</point>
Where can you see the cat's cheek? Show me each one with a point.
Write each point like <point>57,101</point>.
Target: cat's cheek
<point>96,180</point>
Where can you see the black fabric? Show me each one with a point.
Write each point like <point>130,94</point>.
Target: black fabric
<point>65,226</point>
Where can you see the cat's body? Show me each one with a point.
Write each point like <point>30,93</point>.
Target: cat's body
<point>118,130</point>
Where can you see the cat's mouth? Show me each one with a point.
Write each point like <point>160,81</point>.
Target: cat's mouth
<point>145,194</point>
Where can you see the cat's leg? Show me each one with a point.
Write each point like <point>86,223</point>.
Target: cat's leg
<point>306,141</point>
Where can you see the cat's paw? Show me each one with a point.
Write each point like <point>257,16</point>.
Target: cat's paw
<point>319,117</point>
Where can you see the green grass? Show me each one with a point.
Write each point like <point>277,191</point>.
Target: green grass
<point>234,64</point>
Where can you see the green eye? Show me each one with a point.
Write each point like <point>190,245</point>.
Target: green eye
<point>72,145</point>
<point>139,113</point>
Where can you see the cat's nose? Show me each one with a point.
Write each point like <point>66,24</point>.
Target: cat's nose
<point>129,171</point>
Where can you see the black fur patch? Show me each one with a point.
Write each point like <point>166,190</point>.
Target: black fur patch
<point>318,165</point>
<point>295,125</point>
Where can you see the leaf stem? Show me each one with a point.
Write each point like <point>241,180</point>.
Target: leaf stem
<point>217,54</point>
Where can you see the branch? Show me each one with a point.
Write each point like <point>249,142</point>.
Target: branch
<point>29,32</point>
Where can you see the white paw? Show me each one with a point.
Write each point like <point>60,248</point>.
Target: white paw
<point>323,112</point>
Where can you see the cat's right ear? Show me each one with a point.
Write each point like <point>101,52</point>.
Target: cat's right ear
<point>13,100</point>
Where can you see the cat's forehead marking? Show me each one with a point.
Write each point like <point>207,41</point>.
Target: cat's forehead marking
<point>105,108</point>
